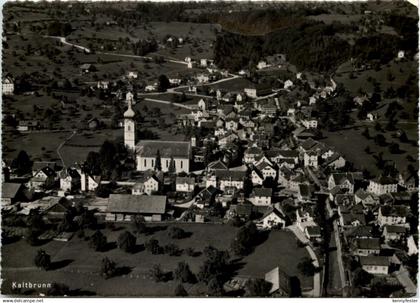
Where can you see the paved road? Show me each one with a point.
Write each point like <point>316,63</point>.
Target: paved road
<point>64,41</point>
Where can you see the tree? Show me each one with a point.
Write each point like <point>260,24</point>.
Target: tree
<point>158,163</point>
<point>257,288</point>
<point>42,260</point>
<point>139,224</point>
<point>215,265</point>
<point>152,246</point>
<point>215,288</point>
<point>171,168</point>
<point>380,140</point>
<point>156,273</point>
<point>183,273</point>
<point>245,239</point>
<point>98,241</point>
<point>180,291</point>
<point>394,148</point>
<point>163,83</point>
<point>176,232</point>
<point>108,268</point>
<point>126,241</point>
<point>22,163</point>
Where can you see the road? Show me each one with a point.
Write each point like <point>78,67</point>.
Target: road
<point>64,41</point>
<point>169,102</point>
<point>62,144</point>
<point>316,291</point>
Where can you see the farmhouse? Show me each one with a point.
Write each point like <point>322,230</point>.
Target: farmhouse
<point>272,218</point>
<point>375,265</point>
<point>178,151</point>
<point>262,196</point>
<point>123,208</point>
<point>69,179</point>
<point>185,184</point>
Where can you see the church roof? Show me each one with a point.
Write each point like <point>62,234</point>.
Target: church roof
<point>167,149</point>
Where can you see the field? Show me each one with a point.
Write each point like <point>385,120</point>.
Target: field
<point>353,138</point>
<point>77,265</point>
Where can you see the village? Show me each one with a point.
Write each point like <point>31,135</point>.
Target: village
<point>243,171</point>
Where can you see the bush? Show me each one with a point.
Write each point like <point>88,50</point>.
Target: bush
<point>98,241</point>
<point>183,273</point>
<point>180,291</point>
<point>172,250</point>
<point>126,242</point>
<point>176,232</point>
<point>152,246</point>
<point>42,260</point>
<point>108,268</point>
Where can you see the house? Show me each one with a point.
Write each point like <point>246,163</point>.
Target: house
<point>132,75</point>
<point>375,265</point>
<point>310,158</point>
<point>123,208</point>
<point>272,218</point>
<point>394,232</point>
<point>230,178</point>
<point>203,78</point>
<point>149,185</point>
<point>257,177</point>
<point>8,86</point>
<point>69,179</point>
<point>383,185</point>
<point>102,84</point>
<point>58,209</point>
<point>28,125</point>
<point>87,68</point>
<point>305,217</point>
<point>185,184</point>
<point>392,215</point>
<point>288,84</point>
<point>206,197</point>
<point>258,90</point>
<point>203,62</point>
<point>261,196</point>
<point>335,161</point>
<point>342,180</point>
<point>367,199</point>
<point>177,151</point>
<point>10,193</point>
<point>252,153</point>
<point>313,233</point>
<point>408,181</point>
<point>89,182</point>
<point>43,178</point>
<point>280,283</point>
<point>242,211</point>
<point>216,165</point>
<point>367,246</point>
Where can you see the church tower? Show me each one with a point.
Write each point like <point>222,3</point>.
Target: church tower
<point>129,127</point>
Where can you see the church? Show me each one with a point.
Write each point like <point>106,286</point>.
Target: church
<point>146,150</point>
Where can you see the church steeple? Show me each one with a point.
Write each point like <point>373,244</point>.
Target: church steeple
<point>129,127</point>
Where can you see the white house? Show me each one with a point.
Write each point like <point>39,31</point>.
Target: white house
<point>148,186</point>
<point>392,215</point>
<point>88,182</point>
<point>342,180</point>
<point>375,265</point>
<point>8,86</point>
<point>311,159</point>
<point>132,75</point>
<point>383,185</point>
<point>185,184</point>
<point>272,218</point>
<point>287,84</point>
<point>262,196</point>
<point>69,179</point>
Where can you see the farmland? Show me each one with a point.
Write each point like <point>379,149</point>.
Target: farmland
<point>80,264</point>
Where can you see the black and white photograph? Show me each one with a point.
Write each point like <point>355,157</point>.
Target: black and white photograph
<point>227,149</point>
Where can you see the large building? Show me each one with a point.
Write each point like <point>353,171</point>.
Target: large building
<point>179,152</point>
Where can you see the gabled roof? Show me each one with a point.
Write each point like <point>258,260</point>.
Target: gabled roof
<point>308,144</point>
<point>279,280</point>
<point>263,192</point>
<point>384,180</point>
<point>185,180</point>
<point>374,260</point>
<point>313,230</point>
<point>217,165</point>
<point>394,211</point>
<point>372,243</point>
<point>397,229</point>
<point>10,190</point>
<point>230,175</point>
<point>272,210</point>
<point>340,178</point>
<point>122,203</point>
<point>167,149</point>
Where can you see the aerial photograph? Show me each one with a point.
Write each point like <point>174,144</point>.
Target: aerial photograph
<point>209,149</point>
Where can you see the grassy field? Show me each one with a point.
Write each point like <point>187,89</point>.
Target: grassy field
<point>400,70</point>
<point>281,250</point>
<point>343,139</point>
<point>77,264</point>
